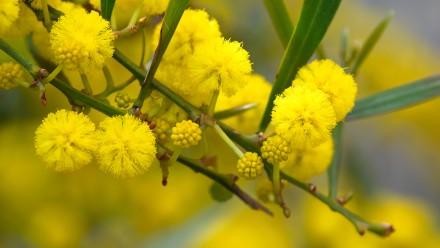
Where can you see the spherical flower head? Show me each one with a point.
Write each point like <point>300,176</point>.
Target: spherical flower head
<point>307,163</point>
<point>186,134</point>
<point>275,149</point>
<point>81,41</point>
<point>66,140</point>
<point>195,27</point>
<point>220,65</point>
<point>330,78</point>
<point>9,71</point>
<point>303,116</point>
<point>8,14</point>
<point>250,166</point>
<point>127,146</point>
<point>155,7</point>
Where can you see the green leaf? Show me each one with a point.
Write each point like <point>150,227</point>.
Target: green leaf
<point>172,17</point>
<point>397,98</point>
<point>333,170</point>
<point>316,16</point>
<point>234,111</point>
<point>107,8</point>
<point>280,19</point>
<point>371,41</point>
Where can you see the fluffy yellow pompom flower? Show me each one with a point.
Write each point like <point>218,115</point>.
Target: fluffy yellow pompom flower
<point>155,7</point>
<point>66,140</point>
<point>9,10</point>
<point>9,71</point>
<point>307,163</point>
<point>250,165</point>
<point>81,41</point>
<point>275,149</point>
<point>220,64</point>
<point>127,146</point>
<point>195,27</point>
<point>303,116</point>
<point>186,134</point>
<point>330,78</point>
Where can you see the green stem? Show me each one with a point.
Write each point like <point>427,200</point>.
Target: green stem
<point>86,99</point>
<point>280,19</point>
<point>9,50</point>
<point>175,156</point>
<point>47,22</point>
<point>228,141</point>
<point>333,171</point>
<point>361,225</point>
<point>276,182</point>
<point>213,102</point>
<point>86,84</point>
<point>135,15</point>
<point>227,181</point>
<point>21,83</point>
<point>108,79</point>
<point>53,74</point>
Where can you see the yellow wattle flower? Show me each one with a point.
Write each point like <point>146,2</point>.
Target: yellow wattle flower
<point>127,146</point>
<point>275,149</point>
<point>304,164</point>
<point>8,72</point>
<point>330,78</point>
<point>250,166</point>
<point>81,41</point>
<point>9,10</point>
<point>220,65</point>
<point>186,134</point>
<point>154,7</point>
<point>303,116</point>
<point>66,140</point>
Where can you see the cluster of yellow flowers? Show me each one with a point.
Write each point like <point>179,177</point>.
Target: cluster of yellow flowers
<point>201,66</point>
<point>123,145</point>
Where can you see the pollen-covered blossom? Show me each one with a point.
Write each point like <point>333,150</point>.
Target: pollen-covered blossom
<point>307,163</point>
<point>9,71</point>
<point>81,41</point>
<point>330,78</point>
<point>186,134</point>
<point>195,28</point>
<point>66,140</point>
<point>154,7</point>
<point>250,166</point>
<point>220,65</point>
<point>303,116</point>
<point>9,10</point>
<point>127,146</point>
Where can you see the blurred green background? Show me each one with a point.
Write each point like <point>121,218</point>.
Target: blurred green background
<point>391,162</point>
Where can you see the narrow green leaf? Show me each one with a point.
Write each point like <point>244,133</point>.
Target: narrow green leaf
<point>107,8</point>
<point>280,19</point>
<point>316,16</point>
<point>333,170</point>
<point>172,17</point>
<point>371,42</point>
<point>397,98</point>
<point>344,49</point>
<point>234,111</point>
